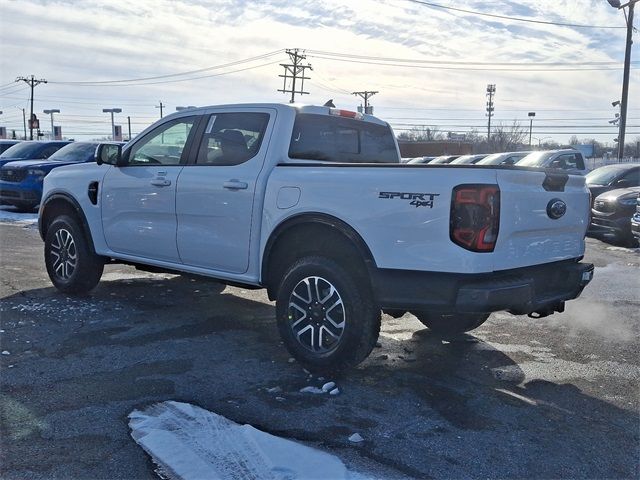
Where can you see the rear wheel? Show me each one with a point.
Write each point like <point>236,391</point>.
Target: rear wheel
<point>326,316</point>
<point>451,323</point>
<point>71,265</point>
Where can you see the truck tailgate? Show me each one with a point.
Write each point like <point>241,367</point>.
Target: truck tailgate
<point>528,233</point>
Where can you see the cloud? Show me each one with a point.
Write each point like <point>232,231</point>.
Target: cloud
<point>95,40</point>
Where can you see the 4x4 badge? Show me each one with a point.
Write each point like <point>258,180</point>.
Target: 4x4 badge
<point>417,199</point>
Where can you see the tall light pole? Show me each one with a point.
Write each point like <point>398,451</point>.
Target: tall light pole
<point>51,112</point>
<point>531,115</point>
<point>113,127</point>
<point>627,66</point>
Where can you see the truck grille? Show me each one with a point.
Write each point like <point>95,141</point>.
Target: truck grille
<point>12,175</point>
<point>604,207</point>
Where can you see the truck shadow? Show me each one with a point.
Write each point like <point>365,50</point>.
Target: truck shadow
<point>424,404</point>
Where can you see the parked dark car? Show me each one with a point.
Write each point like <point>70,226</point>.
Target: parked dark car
<point>31,150</point>
<point>6,144</point>
<point>21,180</point>
<point>635,222</point>
<point>611,214</point>
<point>610,177</point>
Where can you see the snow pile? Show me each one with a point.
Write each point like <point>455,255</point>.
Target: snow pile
<point>10,216</point>
<point>188,442</point>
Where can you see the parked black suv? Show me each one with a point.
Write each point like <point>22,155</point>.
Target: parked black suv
<point>612,212</point>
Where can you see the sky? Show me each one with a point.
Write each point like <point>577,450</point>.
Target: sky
<point>431,66</point>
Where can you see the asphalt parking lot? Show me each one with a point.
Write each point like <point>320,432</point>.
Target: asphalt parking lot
<point>550,398</point>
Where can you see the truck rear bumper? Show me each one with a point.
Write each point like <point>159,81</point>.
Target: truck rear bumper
<point>540,288</point>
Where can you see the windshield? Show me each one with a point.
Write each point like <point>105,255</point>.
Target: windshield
<point>535,159</point>
<point>75,152</point>
<point>22,150</point>
<point>604,175</point>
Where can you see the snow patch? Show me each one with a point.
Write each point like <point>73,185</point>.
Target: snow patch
<point>188,442</point>
<point>10,216</point>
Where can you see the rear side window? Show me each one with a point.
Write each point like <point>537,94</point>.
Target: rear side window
<point>232,138</point>
<point>344,140</point>
<point>568,161</point>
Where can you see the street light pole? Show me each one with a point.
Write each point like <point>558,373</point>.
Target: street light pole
<point>531,115</point>
<point>627,67</point>
<point>51,112</point>
<point>113,126</point>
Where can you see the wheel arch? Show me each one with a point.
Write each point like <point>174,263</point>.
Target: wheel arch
<point>312,233</point>
<point>60,203</point>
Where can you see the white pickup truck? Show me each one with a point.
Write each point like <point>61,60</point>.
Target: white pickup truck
<point>312,204</point>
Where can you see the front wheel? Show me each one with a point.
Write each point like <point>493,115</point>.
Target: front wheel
<point>326,315</point>
<point>71,265</point>
<point>451,323</point>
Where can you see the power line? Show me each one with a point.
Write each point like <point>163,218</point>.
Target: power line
<point>515,19</point>
<point>470,68</point>
<point>157,77</point>
<point>460,62</point>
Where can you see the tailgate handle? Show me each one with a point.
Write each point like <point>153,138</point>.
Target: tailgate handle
<point>555,182</point>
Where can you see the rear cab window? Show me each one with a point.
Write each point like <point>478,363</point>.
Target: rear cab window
<point>342,140</point>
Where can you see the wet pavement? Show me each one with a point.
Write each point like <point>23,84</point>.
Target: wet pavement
<point>548,398</point>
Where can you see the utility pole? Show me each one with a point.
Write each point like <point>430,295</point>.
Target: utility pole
<point>627,67</point>
<point>129,124</point>
<point>294,71</point>
<point>491,91</point>
<point>32,82</point>
<point>366,95</point>
<point>160,107</point>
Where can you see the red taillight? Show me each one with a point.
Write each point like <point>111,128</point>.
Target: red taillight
<point>475,217</point>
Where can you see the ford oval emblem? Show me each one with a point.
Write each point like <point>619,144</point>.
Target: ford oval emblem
<point>556,208</point>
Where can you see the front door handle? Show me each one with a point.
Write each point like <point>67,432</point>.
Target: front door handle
<point>160,182</point>
<point>235,185</point>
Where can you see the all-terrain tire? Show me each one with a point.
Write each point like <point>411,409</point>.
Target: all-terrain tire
<point>326,315</point>
<point>71,265</point>
<point>451,323</point>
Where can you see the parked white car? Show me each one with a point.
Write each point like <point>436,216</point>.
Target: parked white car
<point>568,160</point>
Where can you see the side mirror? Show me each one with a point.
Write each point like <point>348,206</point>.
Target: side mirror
<point>109,153</point>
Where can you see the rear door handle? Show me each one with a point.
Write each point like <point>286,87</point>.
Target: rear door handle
<point>160,182</point>
<point>235,185</point>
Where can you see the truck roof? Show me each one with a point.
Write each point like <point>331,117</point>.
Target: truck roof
<point>298,107</point>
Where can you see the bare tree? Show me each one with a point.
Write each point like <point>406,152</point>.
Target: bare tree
<point>422,134</point>
<point>507,138</point>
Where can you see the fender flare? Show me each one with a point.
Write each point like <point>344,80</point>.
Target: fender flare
<point>65,197</point>
<point>316,218</point>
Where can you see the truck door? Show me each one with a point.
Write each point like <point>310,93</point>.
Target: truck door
<point>216,192</point>
<point>139,198</point>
